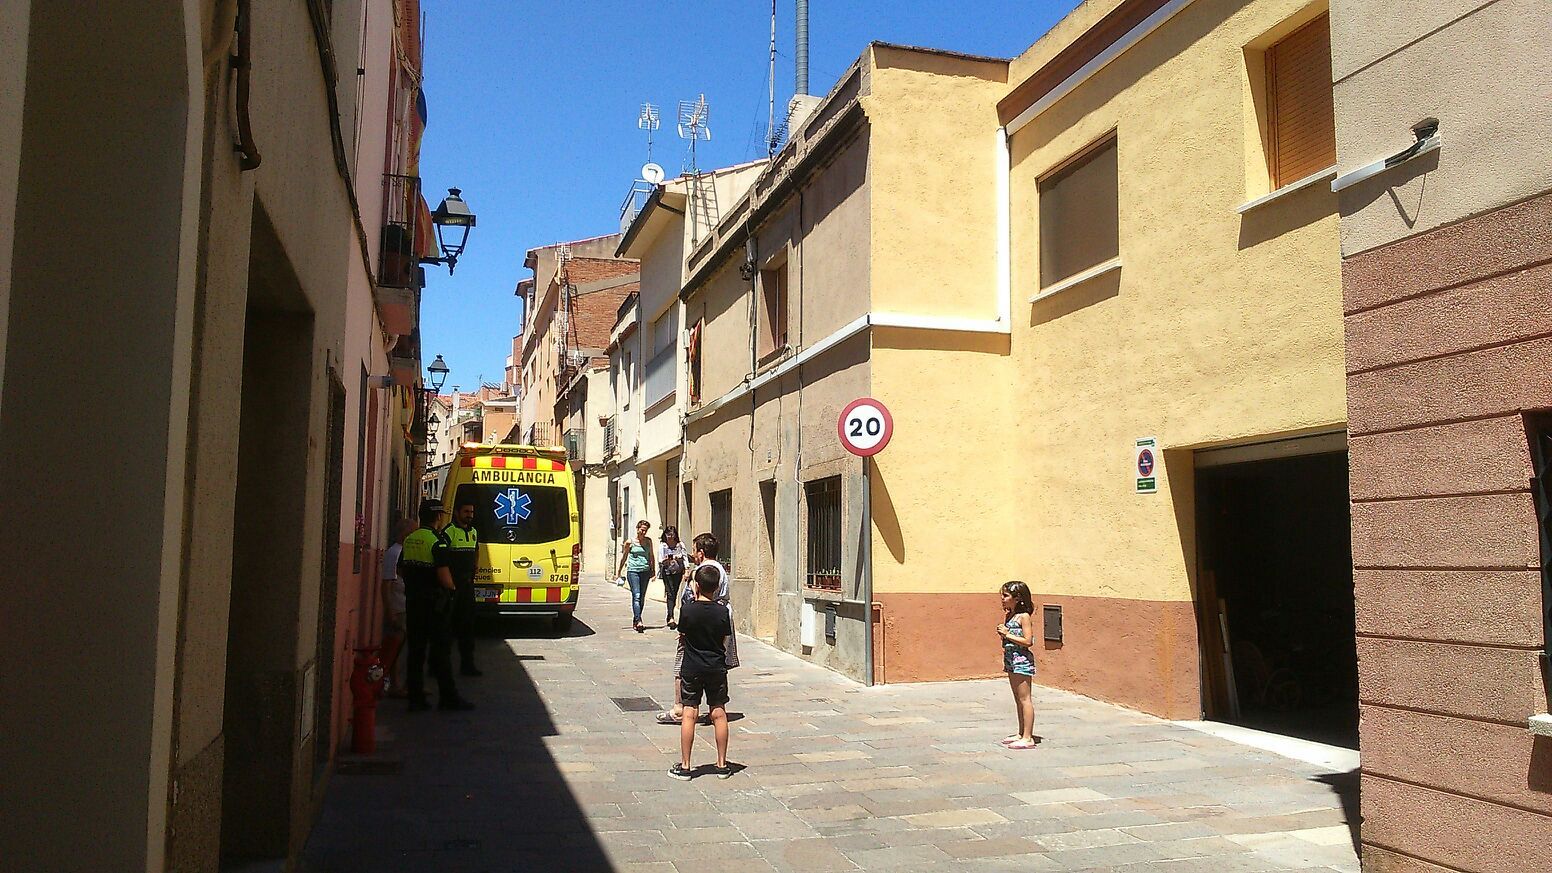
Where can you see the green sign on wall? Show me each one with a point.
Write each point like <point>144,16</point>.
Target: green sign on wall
<point>1145,465</point>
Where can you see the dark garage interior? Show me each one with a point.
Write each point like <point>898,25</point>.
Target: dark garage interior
<point>1276,579</point>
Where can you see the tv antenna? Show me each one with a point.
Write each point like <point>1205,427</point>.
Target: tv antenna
<point>649,122</point>
<point>775,137</point>
<point>694,118</point>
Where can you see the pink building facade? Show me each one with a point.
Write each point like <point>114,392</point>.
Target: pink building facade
<point>380,372</point>
<point>1447,281</point>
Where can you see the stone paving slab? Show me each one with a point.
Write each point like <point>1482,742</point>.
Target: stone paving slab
<point>549,774</point>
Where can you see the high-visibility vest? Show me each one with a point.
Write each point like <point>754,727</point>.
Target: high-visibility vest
<point>418,557</point>
<point>460,539</point>
<point>462,545</point>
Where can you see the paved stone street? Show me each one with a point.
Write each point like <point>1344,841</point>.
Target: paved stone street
<point>551,774</point>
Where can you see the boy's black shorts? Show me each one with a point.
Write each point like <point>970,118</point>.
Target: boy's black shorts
<point>713,685</point>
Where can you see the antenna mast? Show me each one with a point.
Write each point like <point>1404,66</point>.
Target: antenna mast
<point>694,116</point>
<point>651,174</point>
<point>649,121</point>
<point>770,123</point>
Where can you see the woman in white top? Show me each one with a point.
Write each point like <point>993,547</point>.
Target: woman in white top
<point>671,561</point>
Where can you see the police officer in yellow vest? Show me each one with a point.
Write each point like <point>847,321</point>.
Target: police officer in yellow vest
<point>429,595</point>
<point>462,544</point>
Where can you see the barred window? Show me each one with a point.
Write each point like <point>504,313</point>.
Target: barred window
<point>1538,427</point>
<point>722,525</point>
<point>824,533</point>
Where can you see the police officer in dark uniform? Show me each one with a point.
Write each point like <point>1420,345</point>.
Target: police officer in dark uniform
<point>462,544</point>
<point>429,592</point>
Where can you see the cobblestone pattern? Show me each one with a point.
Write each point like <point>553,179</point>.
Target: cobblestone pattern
<point>548,774</point>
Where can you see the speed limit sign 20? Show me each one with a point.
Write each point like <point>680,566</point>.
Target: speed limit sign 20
<point>865,427</point>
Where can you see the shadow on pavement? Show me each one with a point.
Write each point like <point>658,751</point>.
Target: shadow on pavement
<point>1345,786</point>
<point>459,791</point>
<point>528,627</point>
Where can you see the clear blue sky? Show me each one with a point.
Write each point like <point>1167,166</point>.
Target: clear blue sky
<point>533,106</point>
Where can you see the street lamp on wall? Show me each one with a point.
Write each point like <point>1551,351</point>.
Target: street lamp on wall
<point>453,219</point>
<point>436,375</point>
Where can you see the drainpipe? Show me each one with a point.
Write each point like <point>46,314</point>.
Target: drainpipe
<point>802,47</point>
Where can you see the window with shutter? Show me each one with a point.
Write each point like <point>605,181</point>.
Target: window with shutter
<point>1301,135</point>
<point>773,310</point>
<point>1079,214</point>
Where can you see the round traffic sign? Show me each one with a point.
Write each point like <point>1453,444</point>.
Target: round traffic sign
<point>1145,462</point>
<point>865,427</point>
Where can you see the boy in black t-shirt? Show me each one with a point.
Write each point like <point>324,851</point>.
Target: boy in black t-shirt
<point>704,626</point>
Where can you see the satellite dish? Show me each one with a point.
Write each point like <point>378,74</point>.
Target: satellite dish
<point>651,173</point>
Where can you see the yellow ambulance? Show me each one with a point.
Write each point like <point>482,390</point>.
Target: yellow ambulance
<point>526,518</point>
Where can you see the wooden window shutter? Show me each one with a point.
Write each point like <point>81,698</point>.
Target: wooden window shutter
<point>1302,133</point>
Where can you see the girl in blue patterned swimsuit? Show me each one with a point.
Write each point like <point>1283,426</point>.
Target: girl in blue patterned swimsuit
<point>1017,633</point>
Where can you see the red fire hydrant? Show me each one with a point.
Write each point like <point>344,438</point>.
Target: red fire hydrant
<point>366,686</point>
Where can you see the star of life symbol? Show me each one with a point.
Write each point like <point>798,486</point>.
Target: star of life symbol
<point>512,506</point>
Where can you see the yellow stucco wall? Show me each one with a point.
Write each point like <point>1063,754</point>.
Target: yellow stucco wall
<point>933,177</point>
<point>943,500</point>
<point>1219,328</point>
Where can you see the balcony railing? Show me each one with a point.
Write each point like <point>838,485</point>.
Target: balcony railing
<point>634,201</point>
<point>576,443</point>
<point>662,372</point>
<point>568,363</point>
<point>399,266</point>
<point>543,433</point>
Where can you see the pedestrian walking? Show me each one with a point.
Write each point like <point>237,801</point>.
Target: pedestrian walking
<point>671,561</point>
<point>703,553</point>
<point>704,629</point>
<point>463,543</point>
<point>395,622</point>
<point>636,565</point>
<point>1017,633</point>
<point>429,592</point>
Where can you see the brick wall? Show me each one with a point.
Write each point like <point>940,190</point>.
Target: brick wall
<point>596,314</point>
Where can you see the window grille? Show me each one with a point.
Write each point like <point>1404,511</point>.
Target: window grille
<point>824,533</point>
<point>722,525</point>
<point>1538,429</point>
<point>333,493</point>
<point>359,533</point>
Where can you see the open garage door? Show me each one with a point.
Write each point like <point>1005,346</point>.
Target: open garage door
<point>1275,599</point>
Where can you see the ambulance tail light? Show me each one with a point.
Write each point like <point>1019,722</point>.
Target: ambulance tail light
<point>576,562</point>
